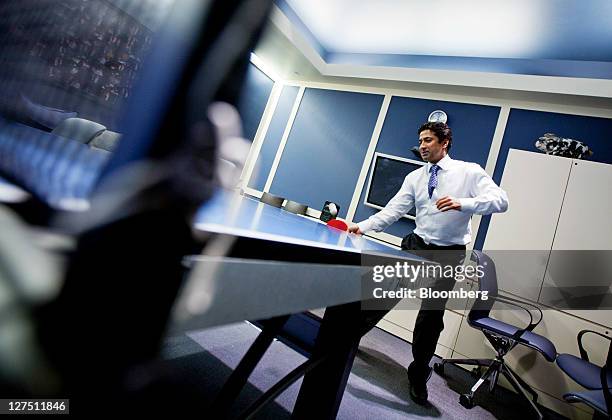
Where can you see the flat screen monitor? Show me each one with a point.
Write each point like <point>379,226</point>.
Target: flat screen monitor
<point>387,174</point>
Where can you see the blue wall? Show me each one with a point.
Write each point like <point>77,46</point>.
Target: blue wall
<point>327,144</point>
<point>252,104</point>
<point>524,127</point>
<point>473,128</point>
<point>273,137</point>
<point>326,147</point>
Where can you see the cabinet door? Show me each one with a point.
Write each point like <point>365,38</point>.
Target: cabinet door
<point>579,272</point>
<point>523,236</point>
<point>586,218</point>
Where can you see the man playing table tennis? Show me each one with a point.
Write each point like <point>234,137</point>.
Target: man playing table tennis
<point>445,194</point>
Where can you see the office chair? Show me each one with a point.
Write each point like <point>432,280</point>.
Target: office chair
<point>597,380</point>
<point>295,207</point>
<point>503,337</point>
<point>272,200</point>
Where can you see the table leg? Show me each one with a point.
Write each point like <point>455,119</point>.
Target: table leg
<point>339,336</point>
<point>240,375</point>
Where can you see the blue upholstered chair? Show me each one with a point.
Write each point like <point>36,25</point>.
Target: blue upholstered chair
<point>596,379</point>
<point>503,337</point>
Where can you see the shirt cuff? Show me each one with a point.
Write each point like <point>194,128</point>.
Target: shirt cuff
<point>365,226</point>
<point>468,205</point>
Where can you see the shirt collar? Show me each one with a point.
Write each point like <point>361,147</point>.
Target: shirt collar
<point>443,163</point>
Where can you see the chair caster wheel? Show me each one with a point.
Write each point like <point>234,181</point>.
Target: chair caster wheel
<point>438,368</point>
<point>467,401</point>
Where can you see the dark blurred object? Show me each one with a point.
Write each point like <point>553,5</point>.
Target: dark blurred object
<point>60,59</point>
<point>330,211</point>
<point>81,56</point>
<point>29,277</point>
<point>59,172</point>
<point>551,144</point>
<point>101,335</point>
<point>43,116</point>
<point>232,148</point>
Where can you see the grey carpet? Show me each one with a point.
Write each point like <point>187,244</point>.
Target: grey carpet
<point>377,387</point>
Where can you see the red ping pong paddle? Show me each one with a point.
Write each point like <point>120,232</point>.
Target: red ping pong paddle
<point>338,224</point>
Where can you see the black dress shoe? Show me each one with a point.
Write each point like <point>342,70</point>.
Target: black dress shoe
<point>418,389</point>
<point>418,393</point>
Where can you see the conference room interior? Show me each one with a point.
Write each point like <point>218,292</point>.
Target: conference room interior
<point>177,179</point>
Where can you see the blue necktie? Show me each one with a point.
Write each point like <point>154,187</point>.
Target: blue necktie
<point>433,179</point>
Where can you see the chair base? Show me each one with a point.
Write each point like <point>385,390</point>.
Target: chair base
<point>495,367</point>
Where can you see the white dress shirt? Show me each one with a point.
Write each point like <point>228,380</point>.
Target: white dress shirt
<point>466,182</point>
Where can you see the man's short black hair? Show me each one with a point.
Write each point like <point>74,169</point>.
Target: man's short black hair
<point>441,130</point>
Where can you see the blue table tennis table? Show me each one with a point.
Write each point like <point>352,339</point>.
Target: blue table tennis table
<point>281,264</point>
<point>246,216</point>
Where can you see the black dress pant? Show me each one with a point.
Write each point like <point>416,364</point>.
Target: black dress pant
<point>429,323</point>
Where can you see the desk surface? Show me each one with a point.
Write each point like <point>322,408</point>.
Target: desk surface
<point>233,214</point>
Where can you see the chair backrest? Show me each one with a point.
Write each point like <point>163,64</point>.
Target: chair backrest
<point>272,199</point>
<point>295,207</point>
<point>78,129</point>
<point>487,282</point>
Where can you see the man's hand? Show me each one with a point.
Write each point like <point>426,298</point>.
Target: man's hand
<point>448,203</point>
<point>355,229</point>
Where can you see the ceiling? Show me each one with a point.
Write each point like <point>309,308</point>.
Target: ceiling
<point>556,38</point>
<point>533,29</point>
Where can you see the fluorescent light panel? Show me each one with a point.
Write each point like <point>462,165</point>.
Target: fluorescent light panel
<point>474,28</point>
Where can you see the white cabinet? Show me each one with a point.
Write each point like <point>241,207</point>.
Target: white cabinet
<point>553,246</point>
<point>535,184</point>
<point>579,272</point>
<point>554,243</point>
<point>586,219</point>
<point>520,240</point>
